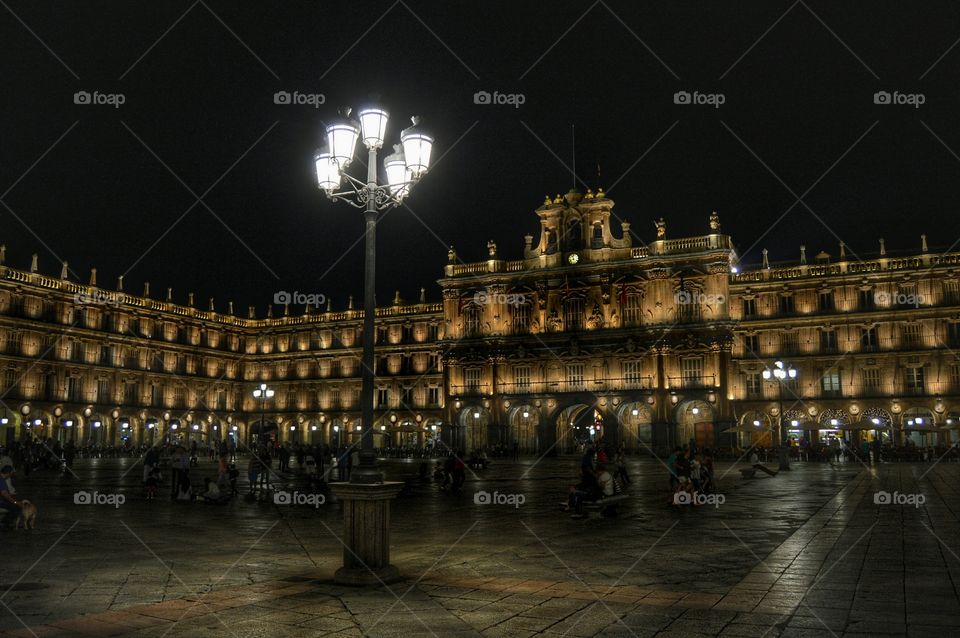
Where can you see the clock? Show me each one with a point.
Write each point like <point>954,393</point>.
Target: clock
<point>573,258</point>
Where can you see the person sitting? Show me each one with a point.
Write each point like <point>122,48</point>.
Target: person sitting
<point>8,497</point>
<point>184,491</point>
<point>755,463</point>
<point>588,489</point>
<point>211,493</point>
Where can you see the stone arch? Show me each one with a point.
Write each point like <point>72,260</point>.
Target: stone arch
<point>475,420</point>
<point>695,420</point>
<point>524,423</point>
<point>578,424</point>
<point>636,429</point>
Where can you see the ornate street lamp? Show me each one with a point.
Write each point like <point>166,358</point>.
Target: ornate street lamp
<point>262,393</point>
<point>781,373</point>
<point>366,497</point>
<point>404,167</point>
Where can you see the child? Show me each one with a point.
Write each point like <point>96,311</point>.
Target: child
<point>153,480</point>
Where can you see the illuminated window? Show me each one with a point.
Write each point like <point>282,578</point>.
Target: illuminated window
<point>914,379</point>
<point>575,376</point>
<point>573,314</point>
<point>830,383</point>
<point>871,378</point>
<point>632,310</point>
<point>521,376</point>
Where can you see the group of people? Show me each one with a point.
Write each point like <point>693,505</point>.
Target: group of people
<point>691,473</point>
<point>600,478</point>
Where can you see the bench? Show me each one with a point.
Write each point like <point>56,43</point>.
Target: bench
<point>748,472</point>
<point>595,509</point>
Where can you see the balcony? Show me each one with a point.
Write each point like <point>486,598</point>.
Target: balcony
<point>688,382</point>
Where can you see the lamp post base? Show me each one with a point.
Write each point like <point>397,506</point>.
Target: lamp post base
<point>366,532</point>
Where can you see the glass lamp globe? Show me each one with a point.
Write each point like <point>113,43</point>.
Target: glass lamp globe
<point>417,146</point>
<point>342,134</point>
<point>373,126</point>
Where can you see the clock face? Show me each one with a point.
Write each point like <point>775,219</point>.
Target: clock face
<point>573,258</point>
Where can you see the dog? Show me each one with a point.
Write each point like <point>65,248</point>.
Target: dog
<point>28,515</point>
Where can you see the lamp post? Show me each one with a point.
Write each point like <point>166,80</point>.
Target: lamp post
<point>366,512</point>
<point>262,393</point>
<point>781,373</point>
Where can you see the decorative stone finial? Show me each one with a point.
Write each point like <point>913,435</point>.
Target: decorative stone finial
<point>329,305</point>
<point>251,312</point>
<point>33,263</point>
<point>883,248</point>
<point>3,253</point>
<point>492,248</point>
<point>286,309</point>
<point>451,255</point>
<point>210,305</point>
<point>93,276</point>
<point>396,298</point>
<point>546,200</point>
<point>601,194</point>
<point>120,283</point>
<point>558,199</point>
<point>589,194</point>
<point>63,271</point>
<point>190,299</point>
<point>843,250</point>
<point>169,295</point>
<point>715,222</point>
<point>269,311</point>
<point>803,254</point>
<point>766,259</point>
<point>146,289</point>
<point>423,295</point>
<point>350,302</point>
<point>923,243</point>
<point>230,308</point>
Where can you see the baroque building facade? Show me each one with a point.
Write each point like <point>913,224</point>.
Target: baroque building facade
<point>587,336</point>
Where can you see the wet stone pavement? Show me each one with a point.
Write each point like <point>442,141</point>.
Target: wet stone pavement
<point>806,553</point>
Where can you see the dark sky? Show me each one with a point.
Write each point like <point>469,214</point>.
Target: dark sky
<point>199,79</point>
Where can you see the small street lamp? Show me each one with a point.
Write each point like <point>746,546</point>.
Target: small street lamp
<point>262,393</point>
<point>781,373</point>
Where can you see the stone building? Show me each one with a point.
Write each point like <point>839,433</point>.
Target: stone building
<point>591,334</point>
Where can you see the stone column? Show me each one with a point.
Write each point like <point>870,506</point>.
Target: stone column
<point>366,532</point>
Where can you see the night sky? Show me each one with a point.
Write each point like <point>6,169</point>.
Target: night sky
<point>111,187</point>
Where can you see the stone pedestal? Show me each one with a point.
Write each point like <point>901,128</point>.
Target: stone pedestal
<point>366,532</point>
